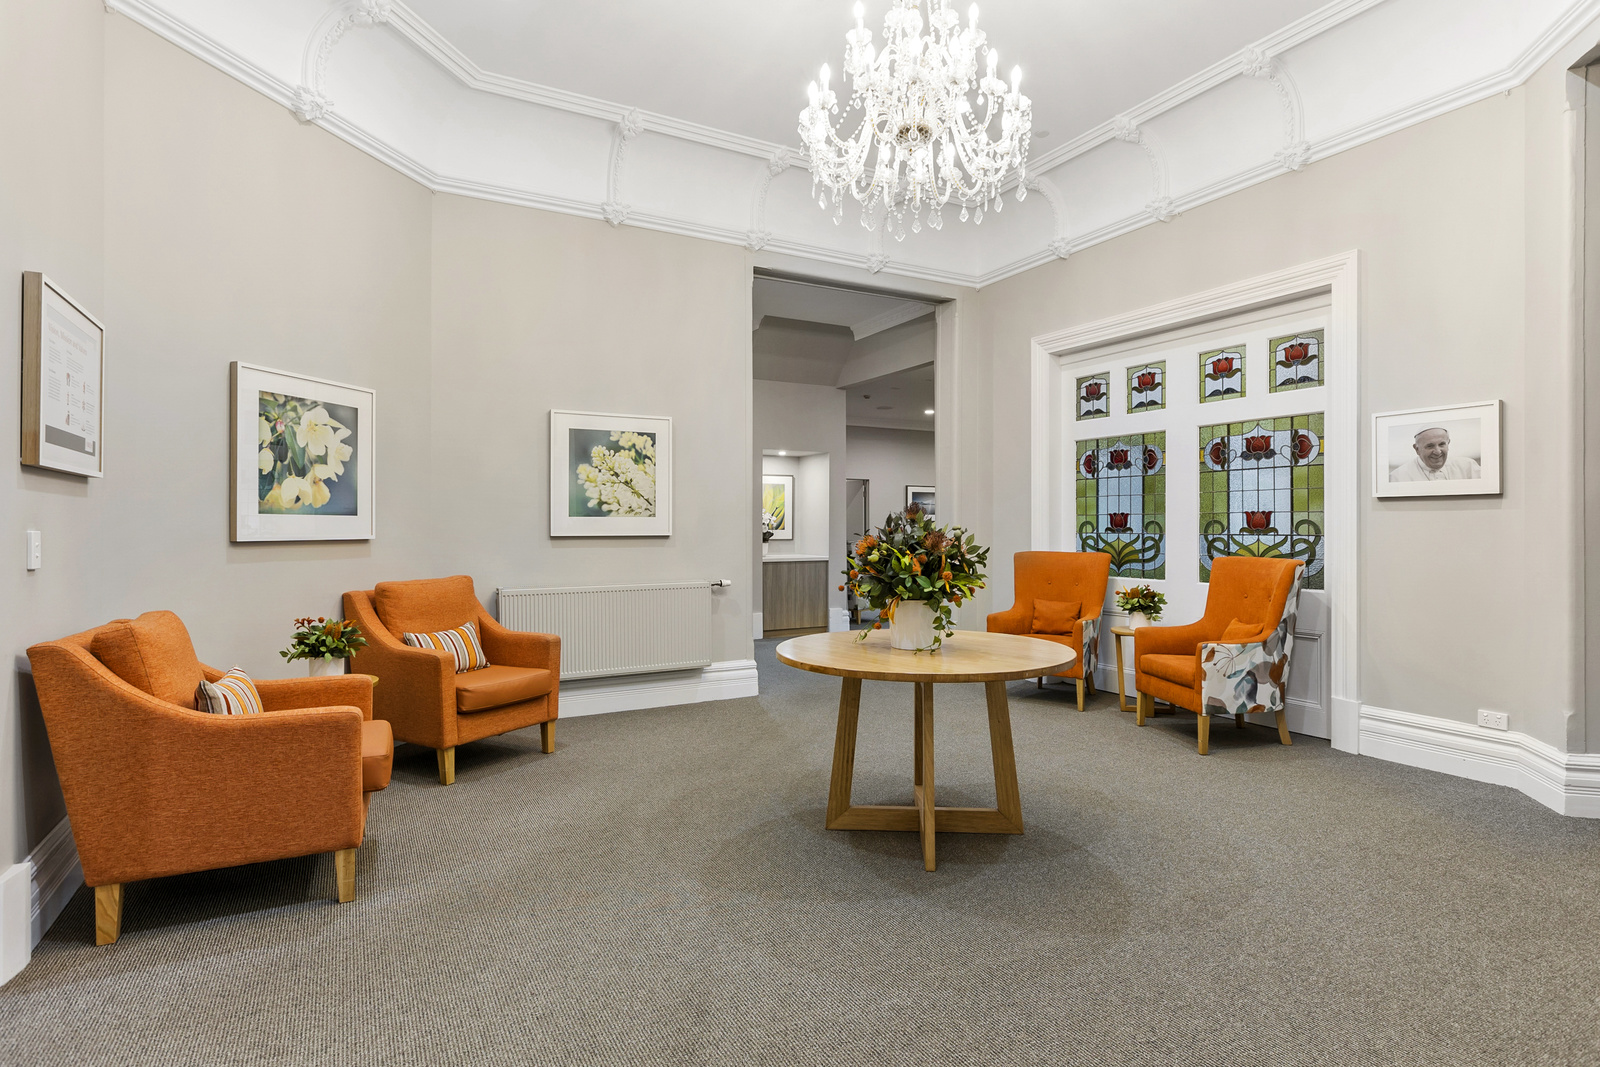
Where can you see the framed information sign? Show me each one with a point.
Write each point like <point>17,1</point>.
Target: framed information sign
<point>63,381</point>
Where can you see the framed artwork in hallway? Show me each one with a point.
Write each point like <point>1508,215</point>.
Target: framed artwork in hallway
<point>63,371</point>
<point>1443,451</point>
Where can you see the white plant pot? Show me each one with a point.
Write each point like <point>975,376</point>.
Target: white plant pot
<point>321,665</point>
<point>912,627</point>
<point>1137,619</point>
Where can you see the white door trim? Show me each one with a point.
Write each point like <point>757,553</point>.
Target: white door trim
<point>1337,276</point>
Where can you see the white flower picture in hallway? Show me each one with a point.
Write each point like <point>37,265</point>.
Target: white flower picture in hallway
<point>610,475</point>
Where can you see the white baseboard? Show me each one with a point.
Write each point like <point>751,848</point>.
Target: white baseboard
<point>57,875</point>
<point>838,620</point>
<point>32,894</point>
<point>758,628</point>
<point>1565,782</point>
<point>16,947</point>
<point>727,680</point>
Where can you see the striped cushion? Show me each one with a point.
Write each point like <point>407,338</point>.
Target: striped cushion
<point>462,643</point>
<point>232,694</point>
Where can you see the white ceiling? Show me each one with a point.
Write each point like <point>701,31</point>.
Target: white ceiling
<point>864,313</point>
<point>898,400</point>
<point>743,67</point>
<point>680,116</point>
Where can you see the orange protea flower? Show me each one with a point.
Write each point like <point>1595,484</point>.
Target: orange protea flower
<point>936,541</point>
<point>945,576</point>
<point>854,574</point>
<point>866,544</point>
<point>877,626</point>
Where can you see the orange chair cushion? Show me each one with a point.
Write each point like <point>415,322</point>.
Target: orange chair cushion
<point>495,687</point>
<point>152,653</point>
<point>425,606</point>
<point>1056,616</point>
<point>1240,633</point>
<point>1179,670</point>
<point>377,754</point>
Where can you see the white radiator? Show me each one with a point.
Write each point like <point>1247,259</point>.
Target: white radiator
<point>618,629</point>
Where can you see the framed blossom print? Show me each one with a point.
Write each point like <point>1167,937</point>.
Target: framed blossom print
<point>1446,451</point>
<point>777,506</point>
<point>63,372</point>
<point>302,457</point>
<point>610,475</point>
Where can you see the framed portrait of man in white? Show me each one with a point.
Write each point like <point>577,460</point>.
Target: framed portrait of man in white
<point>1444,451</point>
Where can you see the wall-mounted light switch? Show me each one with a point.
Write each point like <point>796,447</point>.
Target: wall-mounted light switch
<point>35,550</point>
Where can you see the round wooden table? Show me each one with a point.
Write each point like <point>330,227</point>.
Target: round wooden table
<point>967,656</point>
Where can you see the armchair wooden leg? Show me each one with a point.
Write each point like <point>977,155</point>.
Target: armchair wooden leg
<point>1205,734</point>
<point>1080,694</point>
<point>1041,681</point>
<point>107,914</point>
<point>547,735</point>
<point>1238,719</point>
<point>344,867</point>
<point>1088,680</point>
<point>1283,728</point>
<point>447,765</point>
<point>1143,705</point>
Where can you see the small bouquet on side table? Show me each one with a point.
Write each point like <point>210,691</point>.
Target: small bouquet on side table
<point>1143,604</point>
<point>913,572</point>
<point>324,642</point>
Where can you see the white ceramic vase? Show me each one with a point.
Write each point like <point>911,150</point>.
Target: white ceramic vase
<point>1137,619</point>
<point>321,665</point>
<point>912,627</point>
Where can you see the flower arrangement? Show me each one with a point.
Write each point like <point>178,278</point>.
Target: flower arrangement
<point>622,481</point>
<point>323,638</point>
<point>1143,600</point>
<point>910,558</point>
<point>302,449</point>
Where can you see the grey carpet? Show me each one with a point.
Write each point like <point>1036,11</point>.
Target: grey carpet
<point>661,891</point>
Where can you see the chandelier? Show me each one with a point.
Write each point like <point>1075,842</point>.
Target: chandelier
<point>916,108</point>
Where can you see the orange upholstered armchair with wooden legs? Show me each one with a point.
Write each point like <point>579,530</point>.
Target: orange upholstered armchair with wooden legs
<point>421,694</point>
<point>1058,598</point>
<point>1235,660</point>
<point>155,787</point>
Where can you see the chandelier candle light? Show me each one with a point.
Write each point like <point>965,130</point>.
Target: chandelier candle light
<point>915,99</point>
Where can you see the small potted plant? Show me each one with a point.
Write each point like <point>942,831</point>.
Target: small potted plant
<point>324,643</point>
<point>1143,603</point>
<point>913,572</point>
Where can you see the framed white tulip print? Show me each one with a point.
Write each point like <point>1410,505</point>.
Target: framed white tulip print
<point>610,475</point>
<point>302,457</point>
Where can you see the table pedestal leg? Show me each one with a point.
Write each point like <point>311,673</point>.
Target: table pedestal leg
<point>923,789</point>
<point>844,751</point>
<point>1122,692</point>
<point>1008,799</point>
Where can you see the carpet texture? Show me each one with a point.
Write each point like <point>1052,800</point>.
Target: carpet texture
<point>660,890</point>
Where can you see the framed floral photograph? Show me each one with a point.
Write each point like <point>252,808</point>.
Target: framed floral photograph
<point>63,374</point>
<point>777,506</point>
<point>1444,451</point>
<point>302,457</point>
<point>610,475</point>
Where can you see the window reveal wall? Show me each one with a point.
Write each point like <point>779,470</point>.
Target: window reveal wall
<point>1122,502</point>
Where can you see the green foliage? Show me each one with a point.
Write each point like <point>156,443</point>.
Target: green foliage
<point>1145,599</point>
<point>322,638</point>
<point>910,558</point>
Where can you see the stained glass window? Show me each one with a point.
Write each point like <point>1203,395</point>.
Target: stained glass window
<point>1147,386</point>
<point>1122,502</point>
<point>1094,397</point>
<point>1296,361</point>
<point>1261,492</point>
<point>1222,374</point>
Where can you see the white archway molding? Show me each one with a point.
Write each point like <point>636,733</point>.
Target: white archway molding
<point>1336,276</point>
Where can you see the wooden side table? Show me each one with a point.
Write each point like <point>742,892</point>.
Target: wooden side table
<point>1117,634</point>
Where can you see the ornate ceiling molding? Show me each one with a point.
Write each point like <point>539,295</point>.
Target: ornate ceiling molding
<point>749,197</point>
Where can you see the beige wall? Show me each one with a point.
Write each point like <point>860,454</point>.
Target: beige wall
<point>890,460</point>
<point>804,418</point>
<point>1465,603</point>
<point>534,311</point>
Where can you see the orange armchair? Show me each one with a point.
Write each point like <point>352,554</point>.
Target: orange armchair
<point>1235,660</point>
<point>155,787</point>
<point>421,694</point>
<point>1069,582</point>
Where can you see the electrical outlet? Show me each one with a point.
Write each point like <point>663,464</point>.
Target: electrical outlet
<point>1494,720</point>
<point>35,550</point>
